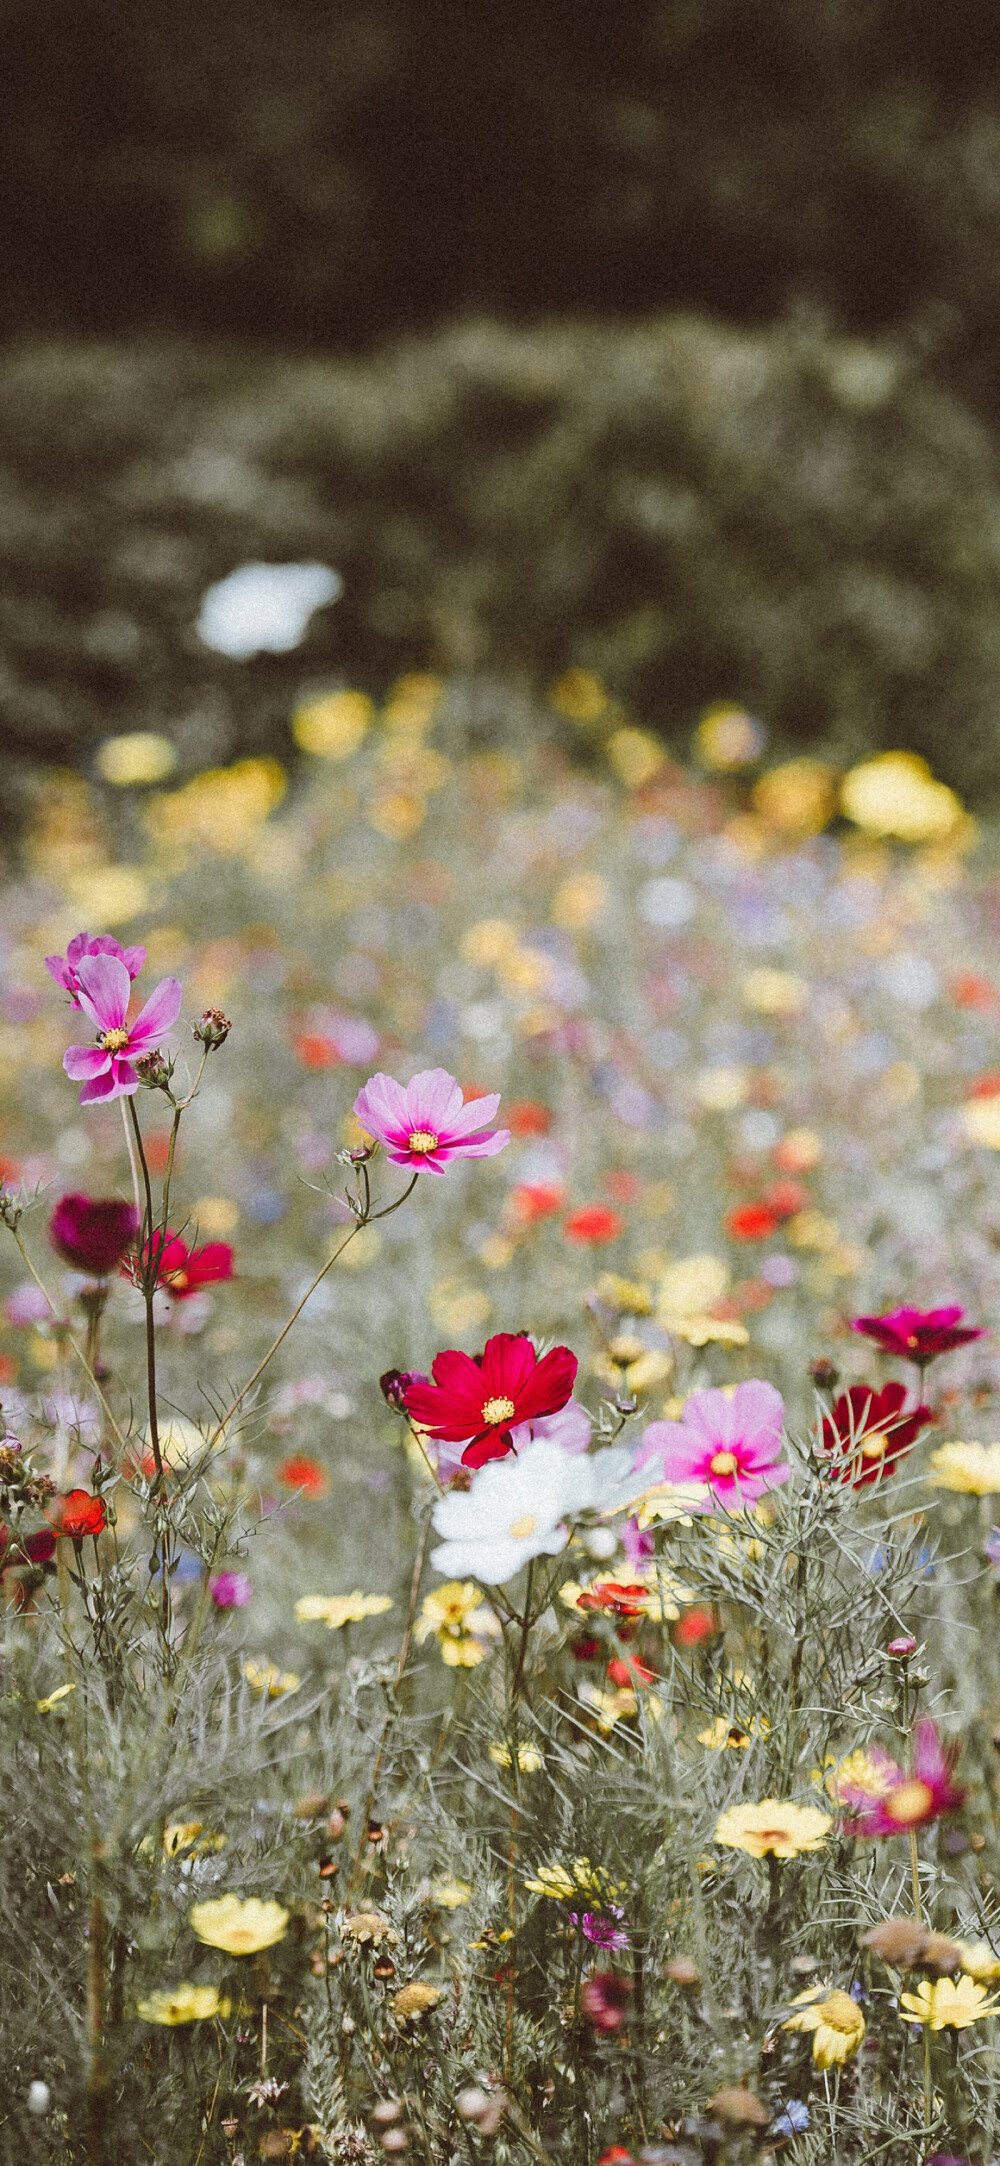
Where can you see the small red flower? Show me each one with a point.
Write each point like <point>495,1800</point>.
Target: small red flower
<point>696,1624</point>
<point>751,1222</point>
<point>77,1514</point>
<point>593,1224</point>
<point>27,1549</point>
<point>622,1185</point>
<point>630,1672</point>
<point>604,2000</point>
<point>532,1200</point>
<point>477,1401</point>
<point>528,1117</point>
<point>615,1597</point>
<point>303,1473</point>
<point>785,1198</point>
<point>183,1271</point>
<point>969,990</point>
<point>315,1051</point>
<point>866,1431</point>
<point>918,1334</point>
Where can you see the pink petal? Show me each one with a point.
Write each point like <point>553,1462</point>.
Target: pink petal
<point>474,1114</point>
<point>57,969</point>
<point>109,1085</point>
<point>133,959</point>
<point>154,1020</point>
<point>104,986</point>
<point>433,1100</point>
<point>84,1061</point>
<point>381,1109</point>
<point>480,1147</point>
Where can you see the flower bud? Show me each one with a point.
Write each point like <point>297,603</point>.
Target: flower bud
<point>903,1646</point>
<point>153,1071</point>
<point>395,2139</point>
<point>825,1374</point>
<point>213,1030</point>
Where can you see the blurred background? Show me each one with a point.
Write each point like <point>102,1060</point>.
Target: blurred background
<point>658,344</point>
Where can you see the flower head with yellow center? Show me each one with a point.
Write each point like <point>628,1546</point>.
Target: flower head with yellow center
<point>947,2003</point>
<point>836,2023</point>
<point>774,1828</point>
<point>457,1615</point>
<point>182,2004</point>
<point>239,1925</point>
<point>337,1610</point>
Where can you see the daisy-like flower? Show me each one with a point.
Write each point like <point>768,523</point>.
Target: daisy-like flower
<point>602,1932</point>
<point>183,1271</point>
<point>972,1470</point>
<point>518,1508</point>
<point>479,1401</point>
<point>867,1769</point>
<point>426,1123</point>
<point>271,1682</point>
<point>727,1448</point>
<point>918,1335</point>
<point>239,1925</point>
<point>836,2023</point>
<point>774,1828</point>
<point>65,968</point>
<point>866,1432</point>
<point>908,1800</point>
<point>181,2004</point>
<point>457,1615</point>
<point>337,1610</point>
<point>947,2003</point>
<point>107,1069</point>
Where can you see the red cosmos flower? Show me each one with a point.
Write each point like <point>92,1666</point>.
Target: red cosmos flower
<point>615,1597</point>
<point>183,1271</point>
<point>593,1224</point>
<point>917,1334</point>
<point>630,1672</point>
<point>696,1624</point>
<point>905,1801</point>
<point>93,1232</point>
<point>484,1397</point>
<point>528,1117</point>
<point>866,1431</point>
<point>26,1549</point>
<point>303,1473</point>
<point>604,2000</point>
<point>77,1514</point>
<point>751,1222</point>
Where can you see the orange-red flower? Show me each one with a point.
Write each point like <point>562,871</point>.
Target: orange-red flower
<point>303,1473</point>
<point>751,1222</point>
<point>77,1514</point>
<point>593,1224</point>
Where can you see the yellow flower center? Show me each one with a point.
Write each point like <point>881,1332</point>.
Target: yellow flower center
<point>723,1463</point>
<point>113,1040</point>
<point>423,1141</point>
<point>496,1411</point>
<point>911,1802</point>
<point>520,1529</point>
<point>873,1447</point>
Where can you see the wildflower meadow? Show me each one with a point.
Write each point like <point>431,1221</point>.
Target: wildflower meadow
<point>499,1378</point>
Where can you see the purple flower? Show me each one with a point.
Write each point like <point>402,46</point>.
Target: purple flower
<point>602,1932</point>
<point>64,968</point>
<point>639,1544</point>
<point>106,1069</point>
<point>230,1590</point>
<point>991,1546</point>
<point>794,2120</point>
<point>26,1305</point>
<point>427,1122</point>
<point>93,1232</point>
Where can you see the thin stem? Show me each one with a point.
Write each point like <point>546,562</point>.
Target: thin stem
<point>130,1147</point>
<point>71,1341</point>
<point>393,1708</point>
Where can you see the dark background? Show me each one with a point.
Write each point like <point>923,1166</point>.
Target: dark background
<point>660,338</point>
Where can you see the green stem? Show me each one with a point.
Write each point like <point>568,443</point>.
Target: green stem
<point>70,1341</point>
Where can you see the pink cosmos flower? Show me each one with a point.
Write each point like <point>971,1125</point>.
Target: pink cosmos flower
<point>730,1447</point>
<point>106,1069</point>
<point>425,1123</point>
<point>901,1801</point>
<point>230,1590</point>
<point>918,1334</point>
<point>64,968</point>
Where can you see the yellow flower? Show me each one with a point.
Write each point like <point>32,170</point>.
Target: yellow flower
<point>332,727</point>
<point>629,1296</point>
<point>265,1677</point>
<point>45,1707</point>
<point>182,2004</point>
<point>947,2003</point>
<point>580,1878</point>
<point>861,1770</point>
<point>774,1828</point>
<point>972,1469</point>
<point>981,1120</point>
<point>978,1959</point>
<point>456,1613</point>
<point>529,1759</point>
<point>450,1894</point>
<point>774,992</point>
<point>835,2021</point>
<point>413,2001</point>
<point>895,794</point>
<point>336,1610</point>
<point>722,1735</point>
<point>240,1925</point>
<point>179,1835</point>
<point>615,1705</point>
<point>669,1500</point>
<point>554,1880</point>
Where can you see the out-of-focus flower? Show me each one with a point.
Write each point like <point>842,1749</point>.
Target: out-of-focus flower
<point>979,1960</point>
<point>867,1769</point>
<point>136,758</point>
<point>688,1295</point>
<point>529,1759</point>
<point>426,1123</point>
<point>239,1925</point>
<point>27,1305</point>
<point>581,1878</point>
<point>737,2107</point>
<point>725,1736</point>
<point>517,1509</point>
<point>895,795</point>
<point>485,1398</point>
<point>867,1431</point>
<point>53,1699</point>
<point>303,1474</point>
<point>450,1894</point>
<point>106,1069</point>
<point>751,1222</point>
<point>64,968</point>
<point>230,1590</point>
<point>368,1929</point>
<point>181,2004</point>
<point>531,1201</point>
<point>973,1470</point>
<point>908,1944</point>
<point>26,1548</point>
<point>798,798</point>
<point>909,1801</point>
<point>728,1448</point>
<point>459,1619</point>
<point>602,1932</point>
<point>77,1514</point>
<point>774,1828</point>
<point>337,1610</point>
<point>270,1681</point>
<point>727,738</point>
<point>918,1334</point>
<point>182,1271</point>
<point>836,2023</point>
<point>947,2003</point>
<point>593,1224</point>
<point>604,1999</point>
<point>93,1232</point>
<point>264,608</point>
<point>331,728</point>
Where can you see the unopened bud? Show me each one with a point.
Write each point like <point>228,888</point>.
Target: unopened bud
<point>902,1647</point>
<point>10,1211</point>
<point>681,1971</point>
<point>825,1373</point>
<point>213,1030</point>
<point>154,1071</point>
<point>395,1384</point>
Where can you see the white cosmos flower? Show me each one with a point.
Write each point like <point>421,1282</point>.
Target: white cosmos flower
<point>519,1507</point>
<point>264,608</point>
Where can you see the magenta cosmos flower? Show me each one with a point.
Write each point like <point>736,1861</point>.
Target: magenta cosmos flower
<point>479,1400</point>
<point>106,1069</point>
<point>917,1334</point>
<point>730,1447</point>
<point>425,1123</point>
<point>64,968</point>
<point>896,1801</point>
<point>93,1232</point>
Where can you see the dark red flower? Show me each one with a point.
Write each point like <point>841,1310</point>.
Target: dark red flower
<point>917,1334</point>
<point>25,1548</point>
<point>183,1271</point>
<point>395,1383</point>
<point>77,1514</point>
<point>866,1431</point>
<point>93,1232</point>
<point>604,2000</point>
<point>482,1399</point>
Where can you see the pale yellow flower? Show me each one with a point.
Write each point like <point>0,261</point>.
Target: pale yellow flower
<point>529,1759</point>
<point>459,1618</point>
<point>978,1960</point>
<point>179,1835</point>
<point>45,1707</point>
<point>722,1735</point>
<point>895,794</point>
<point>265,1677</point>
<point>240,1925</point>
<point>366,1928</point>
<point>631,1296</point>
<point>774,1828</point>
<point>861,1770</point>
<point>182,2004</point>
<point>413,2001</point>
<point>947,2003</point>
<point>580,1878</point>
<point>336,1610</point>
<point>835,2021</point>
<point>971,1469</point>
<point>450,1894</point>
